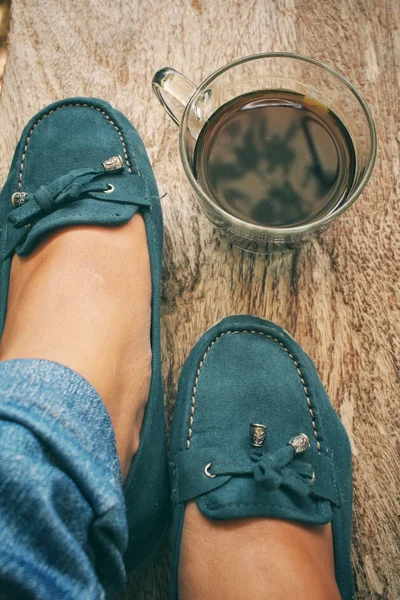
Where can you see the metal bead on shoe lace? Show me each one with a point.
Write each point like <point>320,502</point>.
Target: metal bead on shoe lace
<point>300,443</point>
<point>258,433</point>
<point>115,163</point>
<point>18,199</point>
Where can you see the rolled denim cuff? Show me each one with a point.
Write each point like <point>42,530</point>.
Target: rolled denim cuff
<point>58,453</point>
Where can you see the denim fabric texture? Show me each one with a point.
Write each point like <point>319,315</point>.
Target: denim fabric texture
<point>63,527</point>
<point>246,370</point>
<point>58,164</point>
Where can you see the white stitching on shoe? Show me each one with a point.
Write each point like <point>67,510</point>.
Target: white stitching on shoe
<point>295,362</point>
<point>86,105</point>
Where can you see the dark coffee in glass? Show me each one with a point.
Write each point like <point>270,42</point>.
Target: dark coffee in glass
<point>275,158</point>
<point>275,146</point>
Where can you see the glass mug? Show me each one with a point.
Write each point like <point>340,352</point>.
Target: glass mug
<point>191,108</point>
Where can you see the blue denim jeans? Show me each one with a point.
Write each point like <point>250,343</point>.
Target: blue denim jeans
<point>63,527</point>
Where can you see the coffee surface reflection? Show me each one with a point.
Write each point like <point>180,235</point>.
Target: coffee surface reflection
<point>275,158</point>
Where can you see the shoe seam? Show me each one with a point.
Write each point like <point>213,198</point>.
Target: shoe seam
<point>284,348</point>
<point>74,105</point>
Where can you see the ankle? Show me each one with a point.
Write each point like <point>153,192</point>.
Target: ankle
<point>127,414</point>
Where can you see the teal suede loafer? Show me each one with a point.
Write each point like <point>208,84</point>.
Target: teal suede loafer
<point>81,162</point>
<point>255,435</point>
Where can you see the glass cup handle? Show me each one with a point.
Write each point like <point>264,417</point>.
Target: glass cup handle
<point>174,91</point>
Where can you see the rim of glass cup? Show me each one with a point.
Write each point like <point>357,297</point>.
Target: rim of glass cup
<point>279,231</point>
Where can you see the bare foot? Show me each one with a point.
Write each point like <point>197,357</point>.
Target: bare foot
<point>83,299</point>
<point>255,559</point>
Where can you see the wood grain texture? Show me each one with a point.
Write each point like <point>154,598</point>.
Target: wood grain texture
<point>338,296</point>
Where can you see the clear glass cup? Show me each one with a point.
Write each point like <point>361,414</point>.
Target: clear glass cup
<point>190,107</point>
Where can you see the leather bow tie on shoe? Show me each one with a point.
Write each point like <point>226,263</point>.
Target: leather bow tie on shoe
<point>71,187</point>
<point>274,469</point>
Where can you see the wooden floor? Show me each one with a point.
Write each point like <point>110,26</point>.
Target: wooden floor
<point>4,29</point>
<point>339,296</point>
